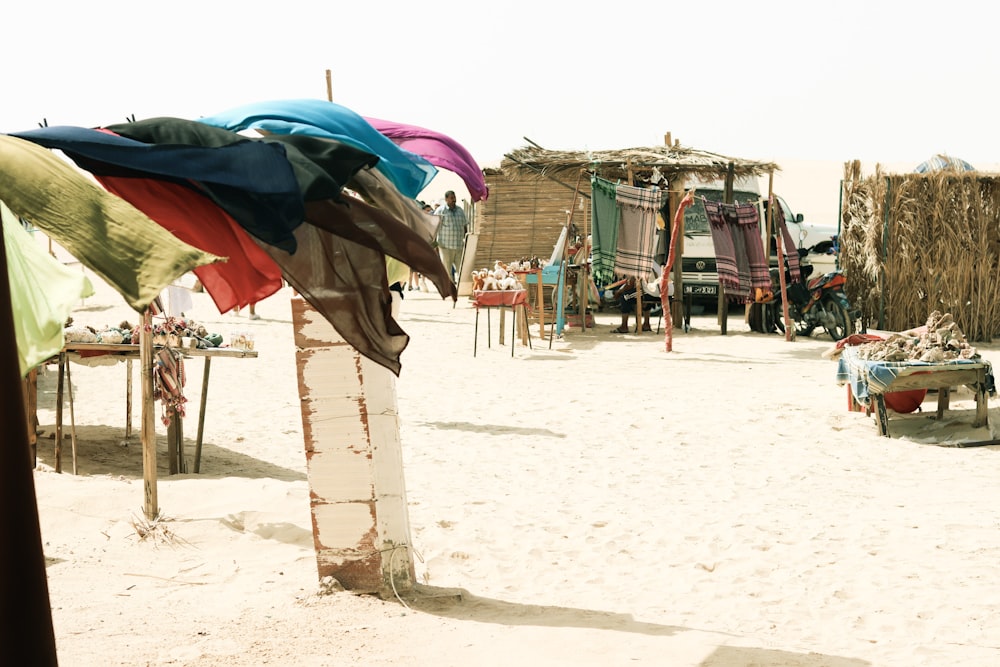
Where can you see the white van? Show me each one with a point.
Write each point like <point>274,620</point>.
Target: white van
<point>700,276</point>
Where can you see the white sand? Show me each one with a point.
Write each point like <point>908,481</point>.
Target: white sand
<point>600,503</point>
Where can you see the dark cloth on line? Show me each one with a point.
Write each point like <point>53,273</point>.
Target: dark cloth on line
<point>748,220</point>
<point>725,253</point>
<point>742,294</point>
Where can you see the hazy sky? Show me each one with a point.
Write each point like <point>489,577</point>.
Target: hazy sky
<point>869,80</point>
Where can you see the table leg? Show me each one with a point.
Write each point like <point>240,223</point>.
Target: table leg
<point>513,330</point>
<point>128,398</point>
<point>944,398</point>
<point>475,339</point>
<point>540,304</point>
<point>201,414</point>
<point>72,417</point>
<point>59,408</point>
<point>502,321</point>
<point>488,326</point>
<point>982,412</point>
<point>881,416</point>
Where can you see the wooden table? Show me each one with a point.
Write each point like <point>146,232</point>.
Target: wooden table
<point>489,299</point>
<point>869,381</point>
<point>128,353</point>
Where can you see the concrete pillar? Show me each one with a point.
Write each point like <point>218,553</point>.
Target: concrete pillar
<point>354,460</point>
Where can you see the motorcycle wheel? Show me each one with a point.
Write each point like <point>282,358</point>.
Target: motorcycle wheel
<point>843,325</point>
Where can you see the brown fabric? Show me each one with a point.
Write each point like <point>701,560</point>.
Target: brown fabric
<point>378,190</point>
<point>377,230</point>
<point>346,283</point>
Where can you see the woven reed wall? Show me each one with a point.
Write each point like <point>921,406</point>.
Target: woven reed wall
<point>915,243</point>
<point>524,218</point>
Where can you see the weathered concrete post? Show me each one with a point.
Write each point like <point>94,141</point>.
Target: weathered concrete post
<point>357,494</point>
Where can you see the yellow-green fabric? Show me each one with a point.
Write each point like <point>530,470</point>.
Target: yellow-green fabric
<point>43,292</point>
<point>108,235</point>
<point>396,271</point>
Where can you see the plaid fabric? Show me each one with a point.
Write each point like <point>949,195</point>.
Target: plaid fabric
<point>725,253</point>
<point>749,223</point>
<point>791,251</point>
<point>451,228</point>
<point>605,216</point>
<point>636,230</point>
<point>742,294</point>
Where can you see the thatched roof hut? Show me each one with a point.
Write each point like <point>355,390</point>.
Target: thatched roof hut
<point>914,243</point>
<point>532,190</point>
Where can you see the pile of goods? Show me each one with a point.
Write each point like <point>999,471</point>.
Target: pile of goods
<point>937,341</point>
<point>502,276</point>
<point>172,331</point>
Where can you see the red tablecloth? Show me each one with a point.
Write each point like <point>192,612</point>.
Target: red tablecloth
<point>490,298</point>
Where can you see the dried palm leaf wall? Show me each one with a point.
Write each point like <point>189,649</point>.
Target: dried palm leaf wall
<point>524,218</point>
<point>915,243</point>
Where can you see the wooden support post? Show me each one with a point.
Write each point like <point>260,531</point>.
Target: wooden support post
<point>72,416</point>
<point>57,454</point>
<point>128,398</point>
<point>723,303</point>
<point>151,506</point>
<point>201,415</point>
<point>329,86</point>
<point>357,494</point>
<point>779,247</point>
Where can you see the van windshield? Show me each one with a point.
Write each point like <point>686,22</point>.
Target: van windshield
<point>695,218</point>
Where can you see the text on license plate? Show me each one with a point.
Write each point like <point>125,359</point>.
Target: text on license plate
<point>700,289</point>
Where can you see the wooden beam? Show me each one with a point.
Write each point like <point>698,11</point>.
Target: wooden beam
<point>150,505</point>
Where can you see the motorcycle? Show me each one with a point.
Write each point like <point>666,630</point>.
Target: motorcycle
<point>820,301</point>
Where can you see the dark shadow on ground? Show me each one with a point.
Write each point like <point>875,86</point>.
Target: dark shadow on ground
<point>493,429</point>
<point>104,450</point>
<point>741,656</point>
<point>459,604</point>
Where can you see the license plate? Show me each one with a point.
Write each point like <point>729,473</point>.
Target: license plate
<point>701,289</point>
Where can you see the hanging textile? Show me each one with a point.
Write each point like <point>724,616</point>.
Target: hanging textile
<point>748,220</point>
<point>743,292</point>
<point>605,215</point>
<point>791,250</point>
<point>409,172</point>
<point>253,181</point>
<point>725,253</point>
<point>43,292</point>
<point>636,230</point>
<point>438,149</point>
<point>108,235</point>
<point>247,276</point>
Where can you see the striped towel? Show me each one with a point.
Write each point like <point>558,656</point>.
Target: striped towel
<point>605,216</point>
<point>725,253</point>
<point>636,230</point>
<point>742,294</point>
<point>749,222</point>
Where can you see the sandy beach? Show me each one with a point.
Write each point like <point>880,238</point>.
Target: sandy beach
<point>599,502</point>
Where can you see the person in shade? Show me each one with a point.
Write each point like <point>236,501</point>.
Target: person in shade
<point>452,229</point>
<point>625,299</point>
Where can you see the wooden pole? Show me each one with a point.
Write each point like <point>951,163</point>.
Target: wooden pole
<point>561,314</point>
<point>723,304</point>
<point>60,388</point>
<point>789,327</point>
<point>150,502</point>
<point>677,230</point>
<point>329,86</point>
<point>72,417</point>
<point>24,591</point>
<point>638,289</point>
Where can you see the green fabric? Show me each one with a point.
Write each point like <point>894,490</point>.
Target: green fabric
<point>43,292</point>
<point>606,216</point>
<point>108,235</point>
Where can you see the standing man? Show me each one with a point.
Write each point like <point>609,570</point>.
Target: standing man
<point>452,227</point>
